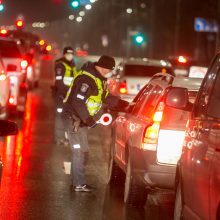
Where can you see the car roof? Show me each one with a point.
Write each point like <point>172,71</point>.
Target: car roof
<point>166,80</point>
<point>8,39</point>
<point>147,62</point>
<point>192,84</point>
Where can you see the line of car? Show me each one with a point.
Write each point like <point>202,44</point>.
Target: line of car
<point>169,138</point>
<point>19,71</point>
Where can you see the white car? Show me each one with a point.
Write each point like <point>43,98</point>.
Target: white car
<point>16,67</point>
<point>134,73</point>
<point>5,90</point>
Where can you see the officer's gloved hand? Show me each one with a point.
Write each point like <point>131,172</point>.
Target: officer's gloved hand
<point>59,110</point>
<point>91,123</point>
<point>123,105</point>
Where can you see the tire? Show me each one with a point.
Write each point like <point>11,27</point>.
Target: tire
<point>135,194</point>
<point>22,101</point>
<point>178,203</point>
<point>115,174</point>
<point>36,84</point>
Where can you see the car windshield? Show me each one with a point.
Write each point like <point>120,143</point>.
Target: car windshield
<point>9,49</point>
<point>143,70</point>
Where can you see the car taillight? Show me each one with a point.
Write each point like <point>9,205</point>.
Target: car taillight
<point>182,59</point>
<point>11,100</point>
<point>3,77</point>
<point>123,87</point>
<point>169,146</point>
<point>150,137</point>
<point>24,64</point>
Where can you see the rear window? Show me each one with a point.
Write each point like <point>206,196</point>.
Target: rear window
<point>9,49</point>
<point>174,119</point>
<point>141,70</point>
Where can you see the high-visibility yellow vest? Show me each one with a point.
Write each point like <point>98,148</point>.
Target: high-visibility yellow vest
<point>70,72</point>
<point>94,102</point>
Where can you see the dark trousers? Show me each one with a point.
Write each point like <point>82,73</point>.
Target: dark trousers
<point>59,129</point>
<point>79,148</point>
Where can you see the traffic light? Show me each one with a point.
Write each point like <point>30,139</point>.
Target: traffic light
<point>75,4</point>
<point>139,39</point>
<point>2,7</point>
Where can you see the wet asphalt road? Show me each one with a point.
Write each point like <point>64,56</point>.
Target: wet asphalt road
<point>35,186</point>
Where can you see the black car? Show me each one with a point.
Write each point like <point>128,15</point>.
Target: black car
<point>198,170</point>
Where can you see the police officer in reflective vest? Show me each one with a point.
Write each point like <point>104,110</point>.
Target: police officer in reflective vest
<point>84,100</point>
<point>65,70</point>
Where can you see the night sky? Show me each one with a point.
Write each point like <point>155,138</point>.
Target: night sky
<point>34,10</point>
<point>109,18</point>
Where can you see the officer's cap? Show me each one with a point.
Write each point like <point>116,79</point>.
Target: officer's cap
<point>68,50</point>
<point>106,62</point>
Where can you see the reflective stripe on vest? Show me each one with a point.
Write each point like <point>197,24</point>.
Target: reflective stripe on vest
<point>94,102</point>
<point>70,72</point>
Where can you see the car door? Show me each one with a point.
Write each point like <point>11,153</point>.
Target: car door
<point>198,154</point>
<point>213,131</point>
<point>215,172</point>
<point>142,116</point>
<point>122,124</point>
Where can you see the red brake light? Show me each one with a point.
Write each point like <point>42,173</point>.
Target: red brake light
<point>151,133</point>
<point>182,59</point>
<point>19,23</point>
<point>48,48</point>
<point>123,88</point>
<point>24,64</point>
<point>3,31</point>
<point>41,42</point>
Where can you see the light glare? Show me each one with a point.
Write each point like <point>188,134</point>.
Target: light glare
<point>71,17</point>
<point>82,13</point>
<point>79,19</point>
<point>129,10</point>
<point>88,7</point>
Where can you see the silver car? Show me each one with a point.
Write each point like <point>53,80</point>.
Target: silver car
<point>147,139</point>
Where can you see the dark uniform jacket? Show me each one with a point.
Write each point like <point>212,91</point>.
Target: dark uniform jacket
<point>83,87</point>
<point>60,87</point>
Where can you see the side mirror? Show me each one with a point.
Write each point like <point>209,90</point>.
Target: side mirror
<point>8,128</point>
<point>177,97</point>
<point>11,68</point>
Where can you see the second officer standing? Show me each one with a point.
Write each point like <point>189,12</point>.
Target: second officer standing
<point>65,70</point>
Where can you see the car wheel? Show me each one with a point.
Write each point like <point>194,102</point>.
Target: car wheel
<point>22,101</point>
<point>178,203</point>
<point>36,84</point>
<point>115,174</point>
<point>135,194</point>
